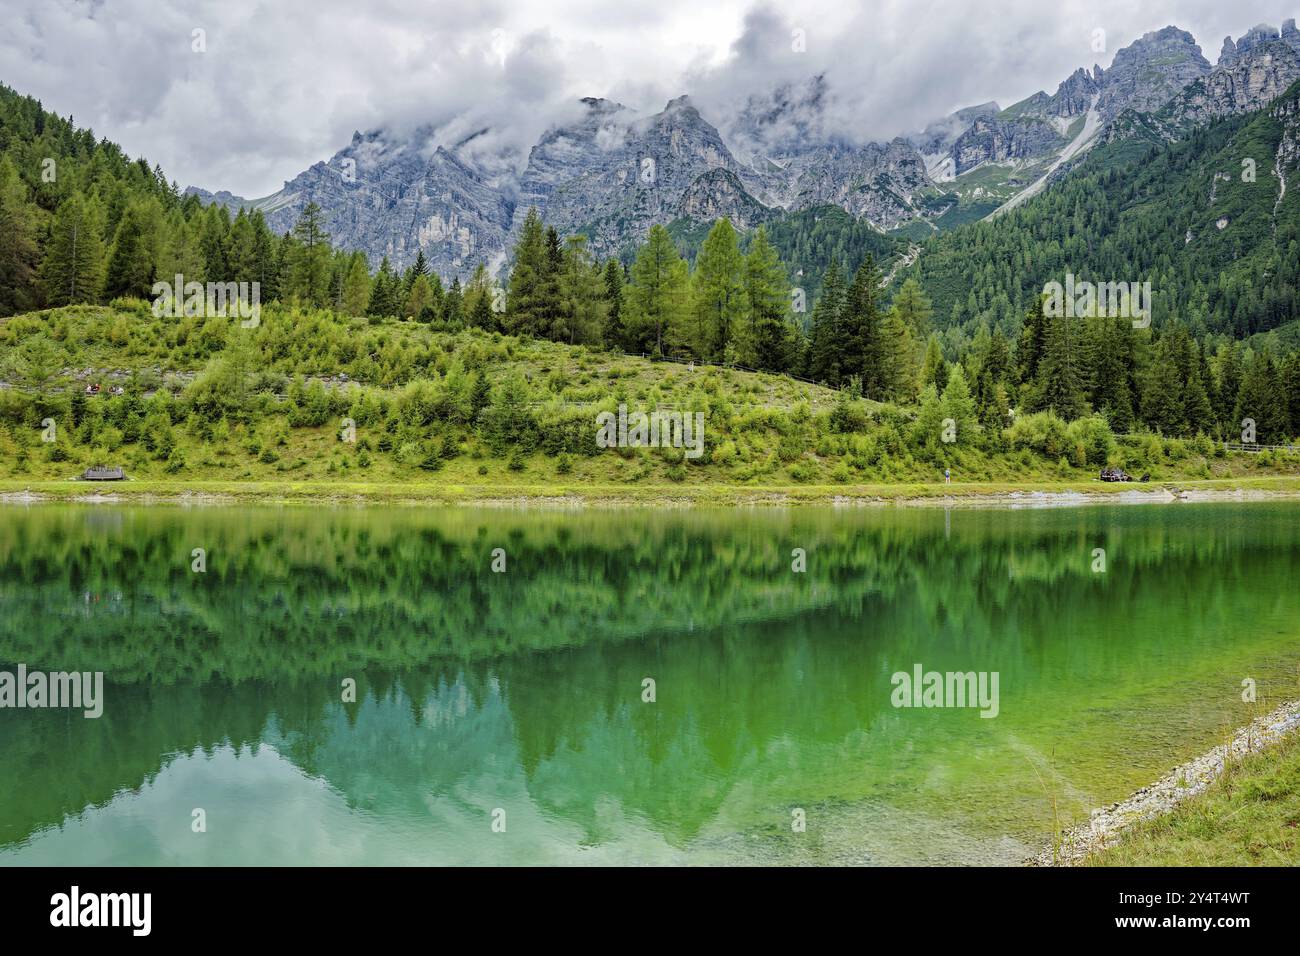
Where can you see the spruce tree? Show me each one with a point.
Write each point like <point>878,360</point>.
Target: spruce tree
<point>959,407</point>
<point>384,292</point>
<point>310,265</point>
<point>581,287</point>
<point>613,334</point>
<point>356,286</point>
<point>772,344</point>
<point>861,342</point>
<point>657,295</point>
<point>719,303</point>
<point>525,301</point>
<point>453,305</point>
<point>130,269</point>
<point>19,253</point>
<point>824,349</point>
<point>1060,376</point>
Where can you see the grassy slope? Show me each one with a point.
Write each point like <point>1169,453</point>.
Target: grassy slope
<point>1251,816</point>
<point>764,432</point>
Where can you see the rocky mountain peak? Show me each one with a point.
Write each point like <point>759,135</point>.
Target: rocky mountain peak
<point>607,171</point>
<point>1256,37</point>
<point>1148,72</point>
<point>1075,94</point>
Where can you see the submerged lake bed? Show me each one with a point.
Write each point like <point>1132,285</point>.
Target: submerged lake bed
<point>401,685</point>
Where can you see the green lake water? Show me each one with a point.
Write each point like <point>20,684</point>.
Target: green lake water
<point>519,695</point>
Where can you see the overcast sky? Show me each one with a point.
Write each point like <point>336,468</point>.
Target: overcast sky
<point>281,85</point>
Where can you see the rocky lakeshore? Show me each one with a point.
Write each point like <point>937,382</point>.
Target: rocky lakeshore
<point>1183,782</point>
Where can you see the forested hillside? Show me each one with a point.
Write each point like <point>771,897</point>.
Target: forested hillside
<point>1212,221</point>
<point>950,361</point>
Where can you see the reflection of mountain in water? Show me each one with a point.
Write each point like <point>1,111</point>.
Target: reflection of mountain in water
<point>772,687</point>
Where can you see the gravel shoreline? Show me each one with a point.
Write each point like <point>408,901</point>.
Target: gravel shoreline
<point>674,497</point>
<point>1181,783</point>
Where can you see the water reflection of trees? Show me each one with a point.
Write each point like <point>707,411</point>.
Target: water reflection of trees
<point>541,666</point>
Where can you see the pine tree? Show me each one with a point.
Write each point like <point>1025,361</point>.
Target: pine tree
<point>480,396</point>
<point>525,303</point>
<point>384,292</point>
<point>131,261</point>
<point>1032,345</point>
<point>418,296</point>
<point>266,269</point>
<point>479,298</point>
<point>613,334</point>
<point>1197,411</point>
<point>453,305</point>
<point>581,316</point>
<point>1290,384</point>
<point>861,344</point>
<point>657,295</point>
<point>927,429</point>
<point>481,316</point>
<point>437,304</point>
<point>1110,392</point>
<point>959,406</point>
<point>719,303</point>
<point>899,377</point>
<point>214,228</point>
<point>1260,399</point>
<point>825,334</point>
<point>420,267</point>
<point>914,309</point>
<point>180,254</point>
<point>19,253</point>
<point>241,254</point>
<point>1061,382</point>
<point>552,321</point>
<point>772,341</point>
<point>934,369</point>
<point>356,286</point>
<point>1162,407</point>
<point>1229,385</point>
<point>309,268</point>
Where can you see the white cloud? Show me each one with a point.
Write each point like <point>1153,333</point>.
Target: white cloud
<point>283,85</point>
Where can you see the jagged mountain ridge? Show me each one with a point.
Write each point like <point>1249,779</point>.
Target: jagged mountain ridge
<point>1251,73</point>
<point>611,173</point>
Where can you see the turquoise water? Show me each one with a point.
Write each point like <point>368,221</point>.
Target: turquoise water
<point>518,696</point>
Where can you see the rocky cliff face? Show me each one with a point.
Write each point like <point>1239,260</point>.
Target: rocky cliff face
<point>996,140</point>
<point>719,194</point>
<point>1077,94</point>
<point>1249,81</point>
<point>938,137</point>
<point>1149,72</point>
<point>1256,37</point>
<point>392,199</point>
<point>612,173</point>
<point>614,180</point>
